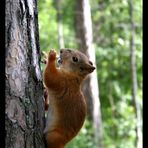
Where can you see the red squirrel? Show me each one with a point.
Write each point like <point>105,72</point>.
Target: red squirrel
<point>67,105</point>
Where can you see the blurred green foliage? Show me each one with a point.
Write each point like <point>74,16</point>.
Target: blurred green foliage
<point>111,36</point>
<point>48,26</point>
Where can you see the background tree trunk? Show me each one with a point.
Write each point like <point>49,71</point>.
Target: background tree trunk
<point>90,89</point>
<point>136,105</point>
<point>24,114</point>
<point>59,22</point>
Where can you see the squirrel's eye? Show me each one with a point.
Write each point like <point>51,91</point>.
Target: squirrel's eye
<point>75,59</point>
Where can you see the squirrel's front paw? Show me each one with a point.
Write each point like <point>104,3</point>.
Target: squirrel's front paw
<point>52,55</point>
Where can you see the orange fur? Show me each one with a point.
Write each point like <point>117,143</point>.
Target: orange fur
<point>67,106</point>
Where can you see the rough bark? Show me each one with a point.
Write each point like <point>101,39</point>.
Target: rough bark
<point>90,87</point>
<point>24,113</point>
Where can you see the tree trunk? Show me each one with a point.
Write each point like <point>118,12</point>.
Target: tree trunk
<point>136,105</point>
<point>90,87</point>
<point>60,25</point>
<point>24,114</point>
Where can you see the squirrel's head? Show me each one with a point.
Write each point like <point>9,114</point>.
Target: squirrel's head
<point>75,62</point>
